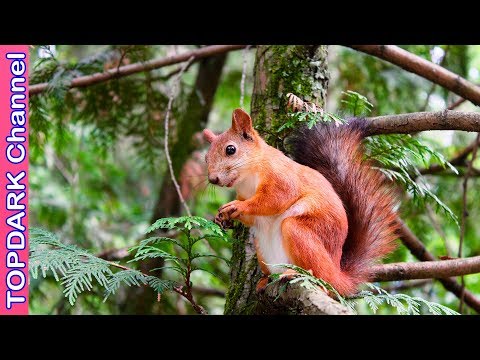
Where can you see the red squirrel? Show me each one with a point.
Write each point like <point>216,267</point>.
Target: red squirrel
<point>326,210</point>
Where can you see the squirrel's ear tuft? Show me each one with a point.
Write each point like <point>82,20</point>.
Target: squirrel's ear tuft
<point>209,135</point>
<point>242,123</point>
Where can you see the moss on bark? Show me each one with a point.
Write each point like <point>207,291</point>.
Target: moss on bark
<point>278,70</point>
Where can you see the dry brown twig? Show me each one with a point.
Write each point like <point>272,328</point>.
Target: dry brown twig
<point>167,152</point>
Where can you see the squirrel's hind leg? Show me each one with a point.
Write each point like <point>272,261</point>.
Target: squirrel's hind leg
<point>306,249</point>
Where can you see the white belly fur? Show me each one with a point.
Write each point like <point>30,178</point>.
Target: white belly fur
<point>267,231</point>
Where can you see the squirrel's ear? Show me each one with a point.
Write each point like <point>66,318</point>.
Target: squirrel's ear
<point>242,123</point>
<point>209,135</point>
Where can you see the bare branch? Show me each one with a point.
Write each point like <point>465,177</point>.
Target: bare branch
<point>122,71</point>
<point>456,104</point>
<point>422,121</point>
<point>427,269</point>
<point>418,250</point>
<point>424,68</point>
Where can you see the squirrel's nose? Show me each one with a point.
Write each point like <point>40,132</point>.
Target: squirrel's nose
<point>213,179</point>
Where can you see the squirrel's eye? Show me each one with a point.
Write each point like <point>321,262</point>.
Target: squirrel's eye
<point>230,150</point>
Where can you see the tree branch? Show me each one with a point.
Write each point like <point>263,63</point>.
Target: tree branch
<point>424,68</point>
<point>426,270</point>
<point>422,121</point>
<point>418,250</point>
<point>122,71</point>
<point>298,300</point>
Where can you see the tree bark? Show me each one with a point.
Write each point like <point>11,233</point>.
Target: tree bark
<point>141,300</point>
<point>278,70</point>
<point>423,121</point>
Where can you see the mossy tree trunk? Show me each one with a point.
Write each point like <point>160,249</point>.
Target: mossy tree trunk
<point>279,70</point>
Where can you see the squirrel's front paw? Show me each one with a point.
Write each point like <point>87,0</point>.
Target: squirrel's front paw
<point>231,210</point>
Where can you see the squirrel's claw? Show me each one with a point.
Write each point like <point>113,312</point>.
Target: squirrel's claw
<point>228,212</point>
<point>222,222</point>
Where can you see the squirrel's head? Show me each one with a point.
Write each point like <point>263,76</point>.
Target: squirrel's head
<point>231,154</point>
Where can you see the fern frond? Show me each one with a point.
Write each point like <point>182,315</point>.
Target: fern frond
<point>188,223</point>
<point>136,278</point>
<point>127,277</point>
<point>197,256</point>
<point>154,241</point>
<point>78,269</point>
<point>151,252</point>
<point>79,277</point>
<point>356,103</point>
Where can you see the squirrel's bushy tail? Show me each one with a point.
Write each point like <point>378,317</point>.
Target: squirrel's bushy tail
<point>337,153</point>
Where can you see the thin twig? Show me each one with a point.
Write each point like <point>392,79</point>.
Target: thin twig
<point>167,152</point>
<point>465,212</point>
<point>244,72</point>
<point>456,104</point>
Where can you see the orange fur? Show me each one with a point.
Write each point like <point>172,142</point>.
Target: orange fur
<point>297,215</point>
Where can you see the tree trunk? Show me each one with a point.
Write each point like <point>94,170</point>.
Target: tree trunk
<point>278,70</point>
<point>140,300</point>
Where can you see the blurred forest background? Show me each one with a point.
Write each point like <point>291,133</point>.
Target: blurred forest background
<point>99,178</point>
